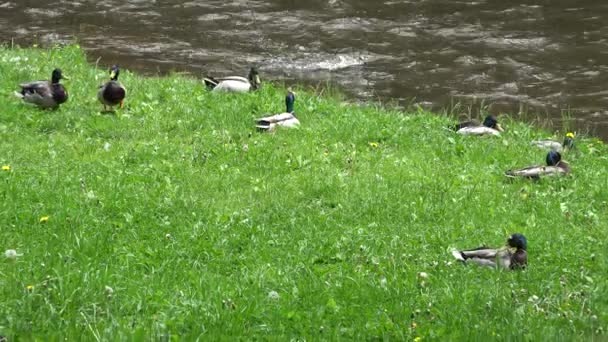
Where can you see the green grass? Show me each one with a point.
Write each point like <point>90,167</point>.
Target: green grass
<point>193,218</point>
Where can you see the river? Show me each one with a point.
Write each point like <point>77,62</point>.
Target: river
<point>541,61</point>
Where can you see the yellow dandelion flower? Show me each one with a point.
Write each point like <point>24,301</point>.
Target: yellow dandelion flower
<point>29,287</point>
<point>414,325</point>
<point>373,144</point>
<point>44,219</point>
<point>570,135</point>
<point>417,339</point>
<point>6,167</point>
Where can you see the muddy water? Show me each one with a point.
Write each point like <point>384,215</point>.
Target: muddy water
<point>548,59</point>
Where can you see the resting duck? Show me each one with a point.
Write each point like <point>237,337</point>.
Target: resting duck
<point>503,257</point>
<point>45,94</point>
<point>235,84</point>
<point>112,93</point>
<point>555,166</point>
<point>287,119</point>
<point>568,143</point>
<point>490,126</point>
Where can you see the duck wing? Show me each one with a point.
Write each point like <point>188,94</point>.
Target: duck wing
<point>536,172</point>
<point>547,144</point>
<point>41,88</point>
<point>478,130</point>
<point>471,123</point>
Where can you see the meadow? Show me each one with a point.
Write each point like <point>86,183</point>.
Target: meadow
<point>173,218</point>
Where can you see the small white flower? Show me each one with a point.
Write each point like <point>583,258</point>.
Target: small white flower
<point>167,236</point>
<point>383,282</point>
<point>11,254</point>
<point>423,275</point>
<point>107,146</point>
<point>273,295</point>
<point>109,290</point>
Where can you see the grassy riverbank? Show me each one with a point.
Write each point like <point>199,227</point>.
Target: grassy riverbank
<point>175,218</point>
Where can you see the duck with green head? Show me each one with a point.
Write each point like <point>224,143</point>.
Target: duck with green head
<point>566,145</point>
<point>555,167</point>
<point>112,93</point>
<point>490,126</point>
<point>286,119</point>
<point>236,84</point>
<point>45,94</point>
<point>513,256</point>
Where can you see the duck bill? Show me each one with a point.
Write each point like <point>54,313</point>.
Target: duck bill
<point>258,82</point>
<point>499,128</point>
<point>112,74</point>
<point>64,77</point>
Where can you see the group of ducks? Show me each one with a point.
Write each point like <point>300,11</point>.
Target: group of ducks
<point>555,164</point>
<point>50,94</point>
<point>514,254</point>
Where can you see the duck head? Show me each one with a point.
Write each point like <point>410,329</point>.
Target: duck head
<point>568,141</point>
<point>114,72</point>
<point>490,121</point>
<point>57,75</point>
<point>290,99</point>
<point>254,78</point>
<point>553,158</point>
<point>518,241</point>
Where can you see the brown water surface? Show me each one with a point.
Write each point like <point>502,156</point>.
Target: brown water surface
<point>545,58</point>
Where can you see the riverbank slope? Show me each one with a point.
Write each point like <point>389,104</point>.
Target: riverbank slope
<point>174,217</point>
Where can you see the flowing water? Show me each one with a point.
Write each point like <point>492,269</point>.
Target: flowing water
<point>547,59</point>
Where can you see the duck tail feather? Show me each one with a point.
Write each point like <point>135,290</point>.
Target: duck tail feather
<point>210,82</point>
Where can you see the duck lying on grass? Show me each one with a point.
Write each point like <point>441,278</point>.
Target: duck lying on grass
<point>568,143</point>
<point>237,84</point>
<point>45,94</point>
<point>490,126</point>
<point>287,119</point>
<point>555,166</point>
<point>513,256</point>
<point>112,93</point>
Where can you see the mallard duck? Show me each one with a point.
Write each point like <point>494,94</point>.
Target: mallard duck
<point>45,94</point>
<point>236,84</point>
<point>490,126</point>
<point>287,119</point>
<point>112,93</point>
<point>555,166</point>
<point>504,257</point>
<point>568,143</point>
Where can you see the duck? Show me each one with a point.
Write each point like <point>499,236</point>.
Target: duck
<point>511,257</point>
<point>490,126</point>
<point>567,144</point>
<point>236,84</point>
<point>45,94</point>
<point>286,119</point>
<point>555,167</point>
<point>112,93</point>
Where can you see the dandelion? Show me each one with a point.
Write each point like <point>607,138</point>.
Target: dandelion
<point>6,167</point>
<point>273,295</point>
<point>11,254</point>
<point>373,144</point>
<point>423,275</point>
<point>417,339</point>
<point>44,219</point>
<point>167,236</point>
<point>107,146</point>
<point>414,325</point>
<point>29,287</point>
<point>570,135</point>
